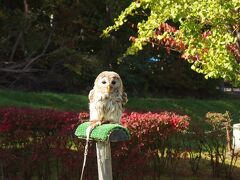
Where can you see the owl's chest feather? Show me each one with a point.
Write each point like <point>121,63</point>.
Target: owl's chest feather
<point>106,107</point>
<point>108,103</point>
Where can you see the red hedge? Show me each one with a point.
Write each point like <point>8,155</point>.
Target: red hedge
<point>37,119</point>
<point>149,132</point>
<point>40,139</point>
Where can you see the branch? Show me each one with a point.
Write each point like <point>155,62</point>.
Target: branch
<point>16,67</point>
<point>238,35</point>
<point>23,67</point>
<point>15,46</point>
<point>19,70</point>
<point>42,53</point>
<point>26,10</point>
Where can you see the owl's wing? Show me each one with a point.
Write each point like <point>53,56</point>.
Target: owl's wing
<point>124,98</point>
<point>91,95</point>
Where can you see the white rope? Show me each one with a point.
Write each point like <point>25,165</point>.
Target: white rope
<point>88,133</point>
<point>84,158</point>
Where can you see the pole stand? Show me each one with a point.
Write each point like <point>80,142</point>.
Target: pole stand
<point>104,135</point>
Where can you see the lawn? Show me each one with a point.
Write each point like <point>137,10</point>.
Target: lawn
<point>195,108</point>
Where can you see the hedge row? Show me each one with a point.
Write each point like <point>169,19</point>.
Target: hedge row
<point>41,143</point>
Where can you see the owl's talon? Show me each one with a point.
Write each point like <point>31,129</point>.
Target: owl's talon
<point>95,123</point>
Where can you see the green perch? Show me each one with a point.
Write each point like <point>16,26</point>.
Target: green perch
<point>105,132</point>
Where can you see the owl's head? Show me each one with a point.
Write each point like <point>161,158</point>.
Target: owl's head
<point>108,82</point>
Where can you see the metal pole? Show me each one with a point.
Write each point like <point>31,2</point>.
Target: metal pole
<point>104,160</point>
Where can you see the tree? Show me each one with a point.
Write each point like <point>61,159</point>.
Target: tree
<point>207,32</point>
<point>55,44</point>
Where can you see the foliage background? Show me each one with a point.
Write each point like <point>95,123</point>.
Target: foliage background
<point>56,46</point>
<point>207,33</point>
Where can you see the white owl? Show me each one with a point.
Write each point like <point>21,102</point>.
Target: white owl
<point>107,98</point>
<point>106,101</point>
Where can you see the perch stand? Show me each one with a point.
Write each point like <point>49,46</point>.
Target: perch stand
<point>104,135</point>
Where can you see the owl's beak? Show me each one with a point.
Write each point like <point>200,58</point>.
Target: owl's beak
<point>109,89</point>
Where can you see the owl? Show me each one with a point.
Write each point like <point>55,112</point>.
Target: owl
<point>107,98</point>
<point>106,101</point>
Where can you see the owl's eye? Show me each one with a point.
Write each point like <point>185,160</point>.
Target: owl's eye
<point>113,82</point>
<point>104,82</point>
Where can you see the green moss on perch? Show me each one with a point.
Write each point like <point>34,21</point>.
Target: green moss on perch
<point>105,132</point>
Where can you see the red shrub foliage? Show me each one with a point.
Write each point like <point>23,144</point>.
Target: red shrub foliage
<point>42,142</point>
<point>13,119</point>
<point>34,138</point>
<point>149,133</point>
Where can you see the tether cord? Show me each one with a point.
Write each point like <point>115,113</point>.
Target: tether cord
<point>88,132</point>
<point>84,158</point>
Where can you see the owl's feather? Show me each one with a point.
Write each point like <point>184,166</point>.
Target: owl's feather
<point>91,96</point>
<point>124,98</point>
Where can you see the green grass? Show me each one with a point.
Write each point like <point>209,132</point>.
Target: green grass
<point>195,108</point>
<point>69,102</point>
